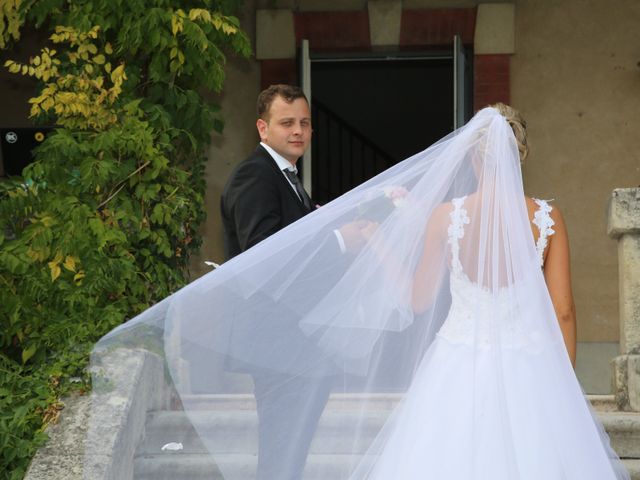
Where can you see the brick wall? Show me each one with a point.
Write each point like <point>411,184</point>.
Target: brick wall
<point>491,82</point>
<point>348,31</point>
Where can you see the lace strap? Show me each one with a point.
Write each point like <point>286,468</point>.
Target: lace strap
<point>455,231</point>
<point>544,222</point>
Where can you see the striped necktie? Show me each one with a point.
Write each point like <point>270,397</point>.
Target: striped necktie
<point>291,175</point>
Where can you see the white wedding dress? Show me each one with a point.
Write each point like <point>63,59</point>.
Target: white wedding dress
<point>472,413</point>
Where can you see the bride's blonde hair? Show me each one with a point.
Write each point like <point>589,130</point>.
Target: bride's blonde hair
<point>518,125</point>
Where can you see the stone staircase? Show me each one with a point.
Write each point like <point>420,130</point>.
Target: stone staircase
<point>237,454</point>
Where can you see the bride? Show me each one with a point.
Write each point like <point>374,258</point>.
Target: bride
<point>447,340</point>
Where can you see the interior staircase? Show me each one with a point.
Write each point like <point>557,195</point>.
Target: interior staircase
<point>236,454</point>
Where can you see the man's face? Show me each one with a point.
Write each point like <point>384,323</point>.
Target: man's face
<point>287,128</point>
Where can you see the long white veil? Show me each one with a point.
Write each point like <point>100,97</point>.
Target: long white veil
<point>407,396</point>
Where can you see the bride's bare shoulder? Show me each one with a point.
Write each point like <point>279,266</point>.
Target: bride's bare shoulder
<point>439,217</point>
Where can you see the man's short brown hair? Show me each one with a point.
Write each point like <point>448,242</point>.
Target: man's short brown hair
<point>288,93</point>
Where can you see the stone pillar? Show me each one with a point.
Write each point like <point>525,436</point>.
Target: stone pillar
<point>384,22</point>
<point>493,45</point>
<point>624,225</point>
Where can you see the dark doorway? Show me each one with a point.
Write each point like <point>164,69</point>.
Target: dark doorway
<point>369,114</point>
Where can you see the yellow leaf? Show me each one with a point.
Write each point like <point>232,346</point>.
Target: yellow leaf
<point>99,59</point>
<point>92,48</point>
<point>8,63</point>
<point>88,68</point>
<point>47,104</point>
<point>108,49</point>
<point>48,221</point>
<point>55,270</point>
<point>176,25</point>
<point>229,30</point>
<point>78,277</point>
<point>14,68</point>
<point>173,53</point>
<point>118,75</point>
<point>25,69</point>
<point>107,67</point>
<point>70,263</point>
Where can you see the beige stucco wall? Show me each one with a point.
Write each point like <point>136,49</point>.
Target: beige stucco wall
<point>576,78</point>
<point>240,137</point>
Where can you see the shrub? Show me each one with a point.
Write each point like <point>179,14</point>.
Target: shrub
<point>103,223</point>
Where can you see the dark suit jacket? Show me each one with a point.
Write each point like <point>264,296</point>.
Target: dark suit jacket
<point>257,201</point>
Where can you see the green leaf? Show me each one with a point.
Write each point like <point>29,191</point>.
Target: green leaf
<point>114,185</point>
<point>29,352</point>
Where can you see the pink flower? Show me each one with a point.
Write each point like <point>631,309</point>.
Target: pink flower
<point>396,194</point>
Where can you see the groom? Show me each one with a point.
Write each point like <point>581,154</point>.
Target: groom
<point>264,193</point>
<point>262,196</point>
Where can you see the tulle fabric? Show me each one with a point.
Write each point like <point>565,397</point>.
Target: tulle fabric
<point>443,313</point>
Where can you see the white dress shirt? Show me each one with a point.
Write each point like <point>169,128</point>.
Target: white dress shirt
<point>283,164</point>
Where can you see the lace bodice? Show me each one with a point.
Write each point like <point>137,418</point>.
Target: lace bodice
<point>478,315</point>
<point>542,219</point>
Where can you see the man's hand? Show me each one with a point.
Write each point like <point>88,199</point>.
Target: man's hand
<point>357,233</point>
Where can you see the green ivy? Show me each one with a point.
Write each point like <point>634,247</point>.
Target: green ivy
<point>103,223</point>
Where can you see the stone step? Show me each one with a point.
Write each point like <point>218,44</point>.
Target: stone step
<point>236,451</point>
<point>624,432</point>
<point>238,431</point>
<point>235,426</point>
<point>633,467</point>
<point>180,466</point>
<point>342,401</point>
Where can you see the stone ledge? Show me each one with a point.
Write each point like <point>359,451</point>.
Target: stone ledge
<point>111,421</point>
<point>624,212</point>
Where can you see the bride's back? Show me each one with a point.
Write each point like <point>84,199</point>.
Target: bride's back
<point>480,243</point>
